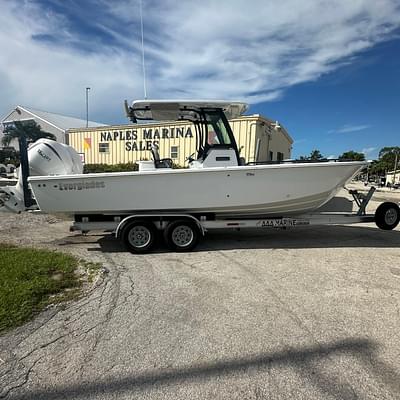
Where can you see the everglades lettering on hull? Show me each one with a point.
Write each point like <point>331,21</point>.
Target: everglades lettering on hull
<point>82,185</point>
<point>135,141</point>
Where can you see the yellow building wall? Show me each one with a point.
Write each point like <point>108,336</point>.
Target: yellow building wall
<point>132,143</point>
<point>279,143</point>
<point>244,130</point>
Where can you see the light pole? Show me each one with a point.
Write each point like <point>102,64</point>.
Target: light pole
<point>395,165</point>
<point>87,107</point>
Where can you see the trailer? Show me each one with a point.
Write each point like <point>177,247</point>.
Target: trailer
<point>182,232</point>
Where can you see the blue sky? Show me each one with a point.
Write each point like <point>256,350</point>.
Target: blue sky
<point>327,70</point>
<point>356,107</point>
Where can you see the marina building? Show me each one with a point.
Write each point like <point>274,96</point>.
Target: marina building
<point>258,138</point>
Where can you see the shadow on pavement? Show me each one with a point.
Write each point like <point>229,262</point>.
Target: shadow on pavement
<point>333,236</point>
<point>310,362</point>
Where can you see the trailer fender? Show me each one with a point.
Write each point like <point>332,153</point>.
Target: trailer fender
<point>157,218</point>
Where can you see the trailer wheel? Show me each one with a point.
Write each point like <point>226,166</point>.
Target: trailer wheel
<point>139,236</point>
<point>387,216</point>
<point>182,235</point>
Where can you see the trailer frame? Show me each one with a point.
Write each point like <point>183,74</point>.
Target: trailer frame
<point>182,230</point>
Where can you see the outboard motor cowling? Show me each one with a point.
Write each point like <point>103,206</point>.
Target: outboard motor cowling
<point>46,157</point>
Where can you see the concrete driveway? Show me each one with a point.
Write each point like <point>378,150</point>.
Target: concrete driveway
<point>312,313</point>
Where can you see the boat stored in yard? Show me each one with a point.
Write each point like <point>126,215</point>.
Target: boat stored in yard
<point>217,190</point>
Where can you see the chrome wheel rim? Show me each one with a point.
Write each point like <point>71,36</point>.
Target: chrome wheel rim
<point>182,236</point>
<point>139,236</point>
<point>391,216</point>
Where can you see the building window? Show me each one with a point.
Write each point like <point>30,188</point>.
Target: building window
<point>104,147</point>
<point>279,156</point>
<point>271,155</point>
<point>174,151</point>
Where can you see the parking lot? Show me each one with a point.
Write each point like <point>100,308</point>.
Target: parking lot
<point>310,313</point>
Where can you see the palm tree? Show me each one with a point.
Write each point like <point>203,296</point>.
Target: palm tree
<point>389,150</point>
<point>352,155</point>
<point>315,155</point>
<point>30,129</point>
<point>388,160</point>
<point>394,152</point>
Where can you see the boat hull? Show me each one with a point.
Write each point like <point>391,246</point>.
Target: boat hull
<point>260,189</point>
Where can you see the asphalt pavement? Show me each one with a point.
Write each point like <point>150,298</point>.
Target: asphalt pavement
<point>310,313</point>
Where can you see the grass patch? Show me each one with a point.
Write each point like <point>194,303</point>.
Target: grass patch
<point>31,279</point>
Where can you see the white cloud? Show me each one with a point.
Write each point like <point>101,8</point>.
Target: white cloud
<point>349,129</point>
<point>299,141</point>
<point>368,150</point>
<point>207,49</point>
<point>54,78</point>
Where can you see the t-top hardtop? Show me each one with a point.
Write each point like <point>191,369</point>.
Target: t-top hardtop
<point>175,110</point>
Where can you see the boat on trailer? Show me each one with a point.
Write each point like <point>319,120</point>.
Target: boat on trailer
<point>218,189</point>
<point>216,181</point>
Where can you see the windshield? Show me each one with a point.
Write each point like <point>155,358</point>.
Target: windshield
<point>217,132</point>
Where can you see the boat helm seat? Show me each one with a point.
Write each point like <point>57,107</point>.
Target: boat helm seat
<point>159,163</point>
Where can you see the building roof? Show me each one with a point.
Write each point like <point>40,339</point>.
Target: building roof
<point>61,122</point>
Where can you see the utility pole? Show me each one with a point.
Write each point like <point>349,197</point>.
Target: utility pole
<point>395,165</point>
<point>87,107</point>
<point>143,63</point>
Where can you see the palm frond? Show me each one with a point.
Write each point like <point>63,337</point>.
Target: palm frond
<point>31,130</point>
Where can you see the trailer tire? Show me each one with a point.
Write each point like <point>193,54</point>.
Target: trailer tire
<point>387,216</point>
<point>139,236</point>
<point>181,235</point>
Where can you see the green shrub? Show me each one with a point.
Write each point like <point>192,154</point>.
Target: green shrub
<point>178,166</point>
<point>96,168</point>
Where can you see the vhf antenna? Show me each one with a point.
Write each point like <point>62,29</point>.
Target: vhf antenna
<point>143,66</point>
